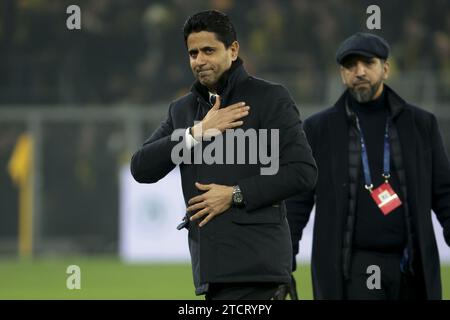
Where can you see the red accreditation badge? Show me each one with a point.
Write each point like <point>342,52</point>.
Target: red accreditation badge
<point>386,198</point>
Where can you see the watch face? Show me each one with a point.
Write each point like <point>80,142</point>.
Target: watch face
<point>237,197</point>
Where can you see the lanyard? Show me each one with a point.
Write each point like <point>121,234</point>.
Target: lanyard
<point>365,160</point>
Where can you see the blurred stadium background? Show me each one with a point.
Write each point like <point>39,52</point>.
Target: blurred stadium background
<point>74,105</point>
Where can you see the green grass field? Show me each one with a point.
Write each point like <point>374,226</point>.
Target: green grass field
<point>108,278</point>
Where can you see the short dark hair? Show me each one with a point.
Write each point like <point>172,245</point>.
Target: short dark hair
<point>211,21</point>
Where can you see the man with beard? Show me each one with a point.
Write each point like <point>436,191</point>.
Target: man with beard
<point>382,169</point>
<point>239,237</point>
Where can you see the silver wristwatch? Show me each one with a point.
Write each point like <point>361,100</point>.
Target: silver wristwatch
<point>238,197</point>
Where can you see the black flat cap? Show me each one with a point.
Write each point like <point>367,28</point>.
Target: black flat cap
<point>365,44</point>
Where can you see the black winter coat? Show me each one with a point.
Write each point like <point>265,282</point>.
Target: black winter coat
<point>427,172</point>
<point>250,244</point>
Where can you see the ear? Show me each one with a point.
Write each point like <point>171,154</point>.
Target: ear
<point>234,47</point>
<point>342,71</point>
<point>386,70</point>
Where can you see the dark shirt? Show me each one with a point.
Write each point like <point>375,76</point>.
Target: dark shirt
<point>373,230</point>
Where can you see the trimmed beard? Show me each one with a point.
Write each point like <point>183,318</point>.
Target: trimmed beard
<point>365,95</point>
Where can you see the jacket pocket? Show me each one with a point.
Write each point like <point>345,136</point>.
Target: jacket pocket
<point>271,214</point>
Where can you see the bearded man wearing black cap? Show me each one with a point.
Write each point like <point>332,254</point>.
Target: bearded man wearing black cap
<point>382,170</point>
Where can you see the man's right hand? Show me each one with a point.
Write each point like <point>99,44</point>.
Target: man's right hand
<point>287,289</point>
<point>218,120</point>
